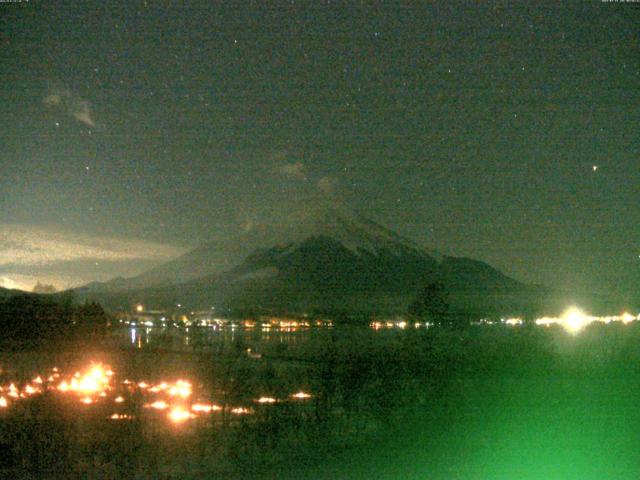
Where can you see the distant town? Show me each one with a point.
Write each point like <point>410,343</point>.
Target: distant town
<point>142,316</point>
<point>572,320</point>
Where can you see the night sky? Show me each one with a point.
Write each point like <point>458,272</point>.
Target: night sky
<point>132,131</point>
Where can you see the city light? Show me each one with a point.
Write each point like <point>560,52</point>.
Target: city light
<point>301,395</point>
<point>513,321</point>
<point>266,400</point>
<point>574,320</point>
<point>626,317</point>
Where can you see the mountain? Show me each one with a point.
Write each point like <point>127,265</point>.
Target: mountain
<point>12,292</point>
<point>350,229</point>
<point>326,259</point>
<point>5,292</point>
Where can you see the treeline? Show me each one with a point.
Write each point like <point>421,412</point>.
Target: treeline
<point>39,318</point>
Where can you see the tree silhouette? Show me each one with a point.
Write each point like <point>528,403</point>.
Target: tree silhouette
<point>431,304</point>
<point>91,317</point>
<point>44,288</point>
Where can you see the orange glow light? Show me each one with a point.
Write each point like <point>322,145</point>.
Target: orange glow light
<point>159,405</point>
<point>179,414</point>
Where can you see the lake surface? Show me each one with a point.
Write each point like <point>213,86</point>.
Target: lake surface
<point>333,402</point>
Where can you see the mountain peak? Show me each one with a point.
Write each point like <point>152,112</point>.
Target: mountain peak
<point>351,229</point>
<point>324,256</point>
<point>324,218</point>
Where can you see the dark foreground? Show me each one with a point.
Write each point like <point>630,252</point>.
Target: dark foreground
<point>484,403</point>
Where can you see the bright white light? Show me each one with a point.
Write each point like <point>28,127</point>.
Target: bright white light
<point>513,321</point>
<point>301,395</point>
<point>626,317</point>
<point>266,400</point>
<point>574,320</point>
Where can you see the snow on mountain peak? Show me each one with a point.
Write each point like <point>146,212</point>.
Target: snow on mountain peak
<point>354,231</point>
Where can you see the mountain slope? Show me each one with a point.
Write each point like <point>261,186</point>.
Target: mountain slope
<point>5,292</point>
<point>355,232</point>
<point>328,259</point>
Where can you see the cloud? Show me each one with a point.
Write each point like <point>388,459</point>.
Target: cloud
<point>36,246</point>
<point>81,111</point>
<point>29,254</point>
<point>297,170</point>
<point>71,103</point>
<point>11,283</point>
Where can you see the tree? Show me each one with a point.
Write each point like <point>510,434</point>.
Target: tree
<point>44,288</point>
<point>431,304</point>
<point>91,316</point>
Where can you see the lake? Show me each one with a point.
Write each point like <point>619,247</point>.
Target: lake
<point>488,402</point>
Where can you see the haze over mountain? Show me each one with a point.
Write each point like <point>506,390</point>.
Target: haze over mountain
<point>325,257</point>
<point>322,218</point>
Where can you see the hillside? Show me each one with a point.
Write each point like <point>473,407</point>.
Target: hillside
<point>329,260</point>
